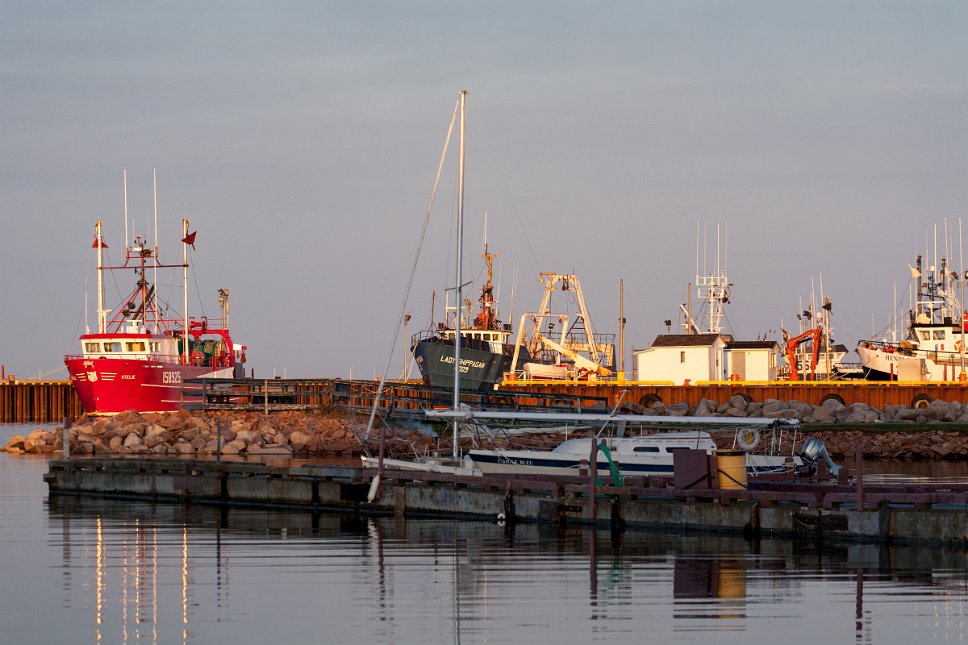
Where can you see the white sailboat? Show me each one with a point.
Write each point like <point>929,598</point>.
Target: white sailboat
<point>650,454</point>
<point>454,464</point>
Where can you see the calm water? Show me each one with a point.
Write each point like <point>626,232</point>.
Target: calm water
<point>76,571</point>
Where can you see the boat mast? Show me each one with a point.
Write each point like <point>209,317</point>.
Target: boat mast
<point>125,181</point>
<point>100,277</point>
<point>487,319</point>
<point>460,295</point>
<point>154,279</point>
<point>185,290</point>
<point>621,325</point>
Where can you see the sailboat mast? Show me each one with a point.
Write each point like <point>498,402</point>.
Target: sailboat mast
<point>460,279</point>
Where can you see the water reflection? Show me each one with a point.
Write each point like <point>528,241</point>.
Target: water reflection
<point>186,573</point>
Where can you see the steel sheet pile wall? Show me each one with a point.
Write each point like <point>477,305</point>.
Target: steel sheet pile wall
<point>37,401</point>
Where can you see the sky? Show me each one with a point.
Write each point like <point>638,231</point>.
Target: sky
<point>825,141</point>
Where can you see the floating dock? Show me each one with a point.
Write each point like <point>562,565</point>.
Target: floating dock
<point>877,514</point>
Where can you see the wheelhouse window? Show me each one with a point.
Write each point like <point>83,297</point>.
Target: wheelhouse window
<point>137,346</point>
<point>112,346</point>
<point>154,346</point>
<point>92,348</point>
<point>939,334</point>
<point>925,335</point>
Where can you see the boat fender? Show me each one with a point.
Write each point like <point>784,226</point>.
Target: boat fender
<point>748,438</point>
<point>374,489</point>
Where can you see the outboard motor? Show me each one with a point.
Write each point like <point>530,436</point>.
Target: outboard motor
<point>814,450</point>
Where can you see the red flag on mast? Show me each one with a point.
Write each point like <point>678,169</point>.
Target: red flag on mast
<point>104,244</point>
<point>190,239</point>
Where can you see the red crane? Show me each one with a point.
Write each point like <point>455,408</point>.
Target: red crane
<point>791,347</point>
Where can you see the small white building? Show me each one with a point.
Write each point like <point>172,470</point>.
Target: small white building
<point>705,357</point>
<point>752,360</point>
<point>680,358</point>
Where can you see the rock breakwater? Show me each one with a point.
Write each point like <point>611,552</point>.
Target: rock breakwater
<point>282,434</point>
<point>939,430</point>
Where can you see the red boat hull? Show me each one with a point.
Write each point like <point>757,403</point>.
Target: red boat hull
<point>112,385</point>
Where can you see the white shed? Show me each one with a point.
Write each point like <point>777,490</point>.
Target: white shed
<point>682,357</point>
<point>752,360</point>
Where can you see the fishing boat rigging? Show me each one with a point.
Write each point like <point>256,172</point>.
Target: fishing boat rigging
<point>142,353</point>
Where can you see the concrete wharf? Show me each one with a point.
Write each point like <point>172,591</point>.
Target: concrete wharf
<point>834,512</point>
<point>876,394</point>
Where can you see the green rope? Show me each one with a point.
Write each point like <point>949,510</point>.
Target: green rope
<point>617,479</point>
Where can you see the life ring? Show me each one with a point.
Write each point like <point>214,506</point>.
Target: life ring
<point>748,438</point>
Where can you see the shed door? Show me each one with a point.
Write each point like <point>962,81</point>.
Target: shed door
<point>739,364</point>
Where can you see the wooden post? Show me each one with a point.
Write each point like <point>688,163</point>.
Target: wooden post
<point>592,474</point>
<point>67,437</point>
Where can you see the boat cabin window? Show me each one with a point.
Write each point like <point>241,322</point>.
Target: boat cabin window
<point>154,346</point>
<point>645,449</point>
<point>138,346</point>
<point>939,334</point>
<point>91,348</point>
<point>925,335</point>
<point>112,346</point>
<point>675,448</point>
<point>682,357</point>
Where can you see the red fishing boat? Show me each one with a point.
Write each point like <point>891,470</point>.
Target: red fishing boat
<point>142,353</point>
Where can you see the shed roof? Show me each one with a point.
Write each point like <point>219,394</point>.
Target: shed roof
<point>752,344</point>
<point>688,340</point>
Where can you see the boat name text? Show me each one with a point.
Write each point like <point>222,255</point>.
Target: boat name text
<point>465,363</point>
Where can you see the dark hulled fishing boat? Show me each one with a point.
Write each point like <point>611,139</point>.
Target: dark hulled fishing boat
<point>486,346</point>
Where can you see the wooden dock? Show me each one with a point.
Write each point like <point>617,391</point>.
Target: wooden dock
<point>832,512</point>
